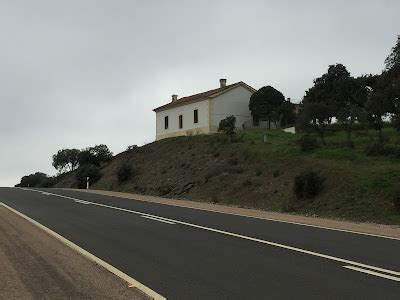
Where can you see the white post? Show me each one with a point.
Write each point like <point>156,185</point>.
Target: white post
<point>87,183</point>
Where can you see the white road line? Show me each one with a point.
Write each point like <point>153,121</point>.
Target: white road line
<point>82,202</point>
<point>157,219</point>
<point>131,282</point>
<point>372,273</point>
<point>295,249</point>
<point>252,217</point>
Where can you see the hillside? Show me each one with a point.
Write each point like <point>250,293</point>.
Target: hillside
<point>251,173</point>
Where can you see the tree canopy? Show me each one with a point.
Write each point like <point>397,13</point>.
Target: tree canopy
<point>265,102</point>
<point>66,160</point>
<point>95,155</point>
<point>393,60</point>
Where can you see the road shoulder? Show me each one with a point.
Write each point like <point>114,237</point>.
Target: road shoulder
<point>35,265</point>
<point>390,231</point>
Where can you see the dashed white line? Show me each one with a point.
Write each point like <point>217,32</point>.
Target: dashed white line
<point>278,245</point>
<point>158,219</point>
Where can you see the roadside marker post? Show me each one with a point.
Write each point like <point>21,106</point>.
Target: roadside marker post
<point>87,183</point>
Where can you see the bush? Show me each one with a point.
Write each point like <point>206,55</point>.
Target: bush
<point>131,147</point>
<point>91,171</point>
<point>33,180</point>
<point>124,173</point>
<point>308,143</point>
<point>382,148</point>
<point>308,185</point>
<point>227,126</point>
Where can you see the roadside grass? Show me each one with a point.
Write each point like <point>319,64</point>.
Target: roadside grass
<point>250,173</point>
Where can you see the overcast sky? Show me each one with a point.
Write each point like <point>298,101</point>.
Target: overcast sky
<point>79,73</point>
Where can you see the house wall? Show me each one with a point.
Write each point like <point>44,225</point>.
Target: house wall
<point>234,102</point>
<point>189,127</point>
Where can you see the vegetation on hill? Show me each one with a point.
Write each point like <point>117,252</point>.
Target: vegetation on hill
<point>251,173</point>
<point>349,169</point>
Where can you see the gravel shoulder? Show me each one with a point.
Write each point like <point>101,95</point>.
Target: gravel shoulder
<point>35,265</point>
<point>392,231</point>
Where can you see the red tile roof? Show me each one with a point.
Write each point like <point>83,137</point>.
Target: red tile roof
<point>200,96</point>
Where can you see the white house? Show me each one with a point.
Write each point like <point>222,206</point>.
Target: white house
<point>201,113</point>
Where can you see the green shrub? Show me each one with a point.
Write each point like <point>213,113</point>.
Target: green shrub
<point>131,147</point>
<point>381,148</point>
<point>227,126</point>
<point>124,173</point>
<point>308,185</point>
<point>308,143</point>
<point>91,171</point>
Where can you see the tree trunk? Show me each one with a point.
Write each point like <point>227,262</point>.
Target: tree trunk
<point>322,136</point>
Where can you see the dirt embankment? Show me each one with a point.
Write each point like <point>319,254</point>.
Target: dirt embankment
<point>251,173</point>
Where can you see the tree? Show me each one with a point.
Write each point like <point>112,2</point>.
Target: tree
<point>66,160</point>
<point>351,96</point>
<point>393,59</point>
<point>85,171</point>
<point>322,101</point>
<point>315,116</point>
<point>95,155</point>
<point>264,104</point>
<point>33,180</point>
<point>381,101</point>
<point>286,111</point>
<point>227,125</point>
<point>102,153</point>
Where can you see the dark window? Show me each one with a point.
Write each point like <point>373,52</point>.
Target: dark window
<point>180,121</point>
<point>196,116</point>
<point>166,122</point>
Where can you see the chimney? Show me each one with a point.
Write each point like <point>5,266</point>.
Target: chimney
<point>174,98</point>
<point>222,83</point>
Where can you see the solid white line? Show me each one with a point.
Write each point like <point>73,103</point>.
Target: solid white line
<point>372,273</point>
<point>295,249</point>
<point>159,220</point>
<point>132,282</point>
<point>249,216</point>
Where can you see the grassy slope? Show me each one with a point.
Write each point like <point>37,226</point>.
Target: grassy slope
<point>251,173</point>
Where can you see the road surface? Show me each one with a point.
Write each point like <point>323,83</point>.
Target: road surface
<point>184,253</point>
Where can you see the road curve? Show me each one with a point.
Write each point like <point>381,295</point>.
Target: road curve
<point>184,253</point>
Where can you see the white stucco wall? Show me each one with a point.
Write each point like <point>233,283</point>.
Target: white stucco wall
<point>234,102</point>
<point>189,127</point>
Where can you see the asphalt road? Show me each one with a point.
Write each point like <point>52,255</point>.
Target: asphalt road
<point>184,253</point>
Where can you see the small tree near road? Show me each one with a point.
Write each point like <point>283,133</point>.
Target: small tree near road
<point>227,126</point>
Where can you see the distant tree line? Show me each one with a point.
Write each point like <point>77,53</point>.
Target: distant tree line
<point>86,162</point>
<point>368,100</point>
